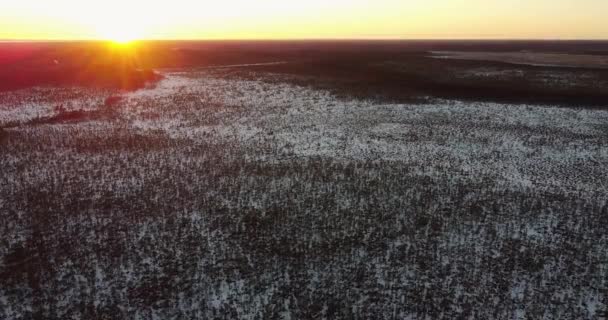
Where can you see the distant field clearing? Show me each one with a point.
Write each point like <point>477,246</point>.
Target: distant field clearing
<point>530,58</point>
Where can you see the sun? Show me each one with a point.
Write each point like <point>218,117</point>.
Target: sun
<point>122,39</point>
<point>122,28</point>
<point>123,22</point>
<point>120,35</point>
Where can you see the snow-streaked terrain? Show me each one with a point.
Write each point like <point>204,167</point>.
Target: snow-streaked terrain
<point>211,196</point>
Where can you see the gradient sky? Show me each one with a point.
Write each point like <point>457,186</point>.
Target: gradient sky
<point>285,19</point>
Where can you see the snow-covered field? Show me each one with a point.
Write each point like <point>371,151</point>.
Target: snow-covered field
<point>212,196</point>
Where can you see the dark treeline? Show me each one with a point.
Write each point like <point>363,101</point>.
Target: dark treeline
<point>25,65</point>
<point>390,70</point>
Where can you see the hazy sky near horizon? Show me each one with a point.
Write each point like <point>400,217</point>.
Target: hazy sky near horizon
<point>284,19</point>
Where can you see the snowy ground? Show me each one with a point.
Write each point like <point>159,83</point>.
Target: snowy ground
<point>211,196</point>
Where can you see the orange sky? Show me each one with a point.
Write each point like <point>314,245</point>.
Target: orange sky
<point>284,19</point>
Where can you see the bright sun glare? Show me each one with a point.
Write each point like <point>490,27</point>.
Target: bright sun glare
<point>119,34</point>
<point>123,27</point>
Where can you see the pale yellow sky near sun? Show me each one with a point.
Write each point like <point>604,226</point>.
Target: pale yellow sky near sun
<point>284,19</point>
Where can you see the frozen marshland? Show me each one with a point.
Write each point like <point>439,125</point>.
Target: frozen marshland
<point>219,196</point>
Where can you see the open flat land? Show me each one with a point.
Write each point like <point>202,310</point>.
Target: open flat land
<point>531,58</point>
<point>308,181</point>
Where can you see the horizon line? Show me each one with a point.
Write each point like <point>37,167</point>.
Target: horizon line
<point>303,39</point>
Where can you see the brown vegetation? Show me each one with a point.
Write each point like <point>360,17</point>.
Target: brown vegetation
<point>3,135</point>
